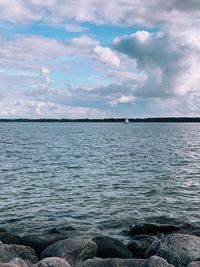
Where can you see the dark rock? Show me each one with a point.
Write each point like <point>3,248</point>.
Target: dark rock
<point>152,229</point>
<point>54,231</point>
<point>187,226</point>
<point>40,242</point>
<point>194,264</point>
<point>3,230</point>
<point>178,249</point>
<point>52,262</point>
<point>71,250</point>
<point>115,262</point>
<point>140,245</point>
<point>8,238</point>
<point>10,252</point>
<point>108,247</point>
<point>196,232</point>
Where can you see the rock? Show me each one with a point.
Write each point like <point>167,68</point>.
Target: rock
<point>152,229</point>
<point>10,252</point>
<point>3,230</point>
<point>40,242</point>
<point>115,262</point>
<point>14,263</point>
<point>194,264</point>
<point>140,245</point>
<point>8,238</point>
<point>71,250</point>
<point>54,231</point>
<point>108,247</point>
<point>196,232</point>
<point>178,249</point>
<point>52,262</point>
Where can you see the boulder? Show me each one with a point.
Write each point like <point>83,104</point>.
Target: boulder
<point>140,245</point>
<point>115,262</point>
<point>40,242</point>
<point>178,249</point>
<point>71,250</point>
<point>108,247</point>
<point>52,262</point>
<point>10,252</point>
<point>14,263</point>
<point>152,229</point>
<point>8,238</point>
<point>3,230</point>
<point>194,264</point>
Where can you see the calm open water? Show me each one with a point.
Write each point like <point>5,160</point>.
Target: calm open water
<point>97,177</point>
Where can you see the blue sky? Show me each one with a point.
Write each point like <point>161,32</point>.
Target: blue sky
<point>97,59</point>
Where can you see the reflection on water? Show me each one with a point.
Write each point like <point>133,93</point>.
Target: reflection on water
<point>98,177</point>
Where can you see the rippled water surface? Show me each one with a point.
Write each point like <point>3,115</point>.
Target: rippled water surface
<point>97,177</point>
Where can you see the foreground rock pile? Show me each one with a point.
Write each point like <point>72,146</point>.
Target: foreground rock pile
<point>151,245</point>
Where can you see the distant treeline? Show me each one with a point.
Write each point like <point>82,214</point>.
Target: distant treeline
<point>169,119</point>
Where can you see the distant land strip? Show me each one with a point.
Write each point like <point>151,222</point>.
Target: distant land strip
<point>165,119</point>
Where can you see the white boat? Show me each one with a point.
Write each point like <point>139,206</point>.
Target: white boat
<point>126,121</point>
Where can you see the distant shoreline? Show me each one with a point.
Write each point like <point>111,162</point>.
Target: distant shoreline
<point>121,120</point>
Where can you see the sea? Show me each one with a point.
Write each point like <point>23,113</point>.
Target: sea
<point>92,178</point>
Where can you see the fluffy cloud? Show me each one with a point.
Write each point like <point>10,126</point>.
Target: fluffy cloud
<point>171,66</point>
<point>114,11</point>
<point>107,56</point>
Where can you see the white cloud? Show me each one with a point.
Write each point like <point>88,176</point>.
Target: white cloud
<point>107,56</point>
<point>171,66</point>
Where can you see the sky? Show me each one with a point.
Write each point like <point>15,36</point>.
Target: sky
<point>99,58</point>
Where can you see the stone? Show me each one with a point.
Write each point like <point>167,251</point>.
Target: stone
<point>116,262</point>
<point>8,238</point>
<point>194,264</point>
<point>108,247</point>
<point>14,263</point>
<point>140,245</point>
<point>3,230</point>
<point>40,242</point>
<point>152,229</point>
<point>52,262</point>
<point>10,252</point>
<point>177,249</point>
<point>71,250</point>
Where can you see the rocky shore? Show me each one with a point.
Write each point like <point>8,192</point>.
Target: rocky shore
<point>150,245</point>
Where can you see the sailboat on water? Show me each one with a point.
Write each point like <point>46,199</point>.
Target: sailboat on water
<point>126,121</point>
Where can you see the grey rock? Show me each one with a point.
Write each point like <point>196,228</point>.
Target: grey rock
<point>108,247</point>
<point>53,262</point>
<point>152,229</point>
<point>194,264</point>
<point>71,250</point>
<point>115,262</point>
<point>40,242</point>
<point>178,249</point>
<point>10,252</point>
<point>140,245</point>
<point>14,263</point>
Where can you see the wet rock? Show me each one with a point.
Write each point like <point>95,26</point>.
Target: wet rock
<point>71,250</point>
<point>115,262</point>
<point>178,249</point>
<point>52,262</point>
<point>10,252</point>
<point>40,242</point>
<point>152,229</point>
<point>194,264</point>
<point>140,245</point>
<point>8,238</point>
<point>3,230</point>
<point>196,232</point>
<point>15,263</point>
<point>108,247</point>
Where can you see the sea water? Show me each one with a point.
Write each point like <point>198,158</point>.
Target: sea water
<point>97,178</point>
